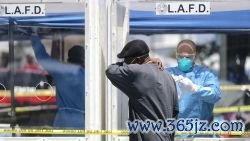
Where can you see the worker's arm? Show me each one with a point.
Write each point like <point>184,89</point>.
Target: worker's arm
<point>44,59</point>
<point>210,90</point>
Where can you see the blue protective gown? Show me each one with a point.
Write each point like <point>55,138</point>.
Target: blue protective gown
<point>69,80</point>
<point>199,105</point>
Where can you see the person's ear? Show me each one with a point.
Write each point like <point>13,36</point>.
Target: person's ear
<point>194,56</point>
<point>138,60</point>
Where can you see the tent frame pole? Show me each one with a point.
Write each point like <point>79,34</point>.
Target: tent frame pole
<point>11,28</point>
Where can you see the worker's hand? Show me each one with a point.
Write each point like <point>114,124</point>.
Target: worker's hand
<point>24,31</point>
<point>27,31</point>
<point>34,30</point>
<point>158,62</point>
<point>188,86</point>
<point>177,78</point>
<point>185,84</point>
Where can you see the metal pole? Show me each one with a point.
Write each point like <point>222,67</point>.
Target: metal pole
<point>62,45</point>
<point>12,72</point>
<point>108,100</point>
<point>95,44</point>
<point>223,56</point>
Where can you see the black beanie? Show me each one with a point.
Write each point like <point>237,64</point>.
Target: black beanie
<point>76,55</point>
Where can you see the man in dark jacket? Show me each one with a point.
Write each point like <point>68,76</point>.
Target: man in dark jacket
<point>152,92</point>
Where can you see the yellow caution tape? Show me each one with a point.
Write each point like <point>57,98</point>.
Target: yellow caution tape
<point>69,132</point>
<point>235,133</point>
<point>245,108</point>
<point>218,110</point>
<point>107,132</point>
<point>234,87</point>
<point>30,108</point>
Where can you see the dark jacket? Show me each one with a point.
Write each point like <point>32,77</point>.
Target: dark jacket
<point>152,95</point>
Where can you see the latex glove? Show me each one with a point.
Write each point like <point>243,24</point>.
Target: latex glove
<point>185,84</point>
<point>188,86</point>
<point>177,78</point>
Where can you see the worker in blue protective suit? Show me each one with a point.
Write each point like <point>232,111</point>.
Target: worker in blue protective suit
<point>198,88</point>
<point>69,80</point>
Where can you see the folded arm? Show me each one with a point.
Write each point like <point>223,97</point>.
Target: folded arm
<point>121,76</point>
<point>210,91</point>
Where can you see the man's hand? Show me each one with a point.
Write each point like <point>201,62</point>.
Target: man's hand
<point>119,63</point>
<point>158,62</point>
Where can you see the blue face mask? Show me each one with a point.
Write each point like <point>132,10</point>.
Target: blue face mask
<point>185,64</point>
